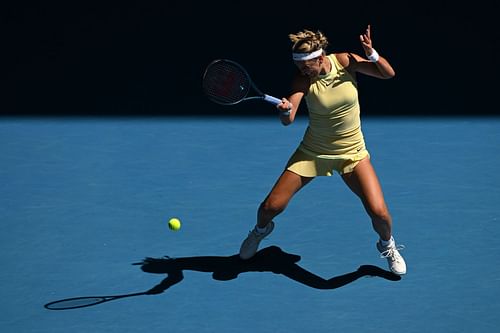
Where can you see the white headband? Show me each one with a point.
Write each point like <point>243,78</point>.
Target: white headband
<point>307,56</point>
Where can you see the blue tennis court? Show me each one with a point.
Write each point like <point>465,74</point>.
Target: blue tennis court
<point>83,199</point>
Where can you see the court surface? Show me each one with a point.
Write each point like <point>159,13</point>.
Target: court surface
<point>83,199</point>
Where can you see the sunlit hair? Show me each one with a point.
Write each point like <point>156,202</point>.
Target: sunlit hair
<point>306,41</point>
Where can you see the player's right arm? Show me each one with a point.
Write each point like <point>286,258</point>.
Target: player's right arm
<point>300,85</point>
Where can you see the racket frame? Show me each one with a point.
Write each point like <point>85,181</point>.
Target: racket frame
<point>259,94</point>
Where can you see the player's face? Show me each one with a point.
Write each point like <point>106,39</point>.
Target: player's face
<point>310,68</point>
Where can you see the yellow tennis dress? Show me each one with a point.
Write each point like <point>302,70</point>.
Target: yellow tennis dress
<point>333,140</point>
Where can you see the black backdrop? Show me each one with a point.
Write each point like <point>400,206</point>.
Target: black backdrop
<point>147,58</point>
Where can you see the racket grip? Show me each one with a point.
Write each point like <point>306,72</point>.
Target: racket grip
<point>272,100</point>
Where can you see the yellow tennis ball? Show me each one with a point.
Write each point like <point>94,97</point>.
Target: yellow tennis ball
<point>174,224</point>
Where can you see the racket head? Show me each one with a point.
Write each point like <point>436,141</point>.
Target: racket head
<point>76,302</point>
<point>226,82</point>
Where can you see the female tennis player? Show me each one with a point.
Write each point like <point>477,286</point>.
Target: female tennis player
<point>333,141</point>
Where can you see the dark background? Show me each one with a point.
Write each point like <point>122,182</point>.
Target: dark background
<point>147,58</point>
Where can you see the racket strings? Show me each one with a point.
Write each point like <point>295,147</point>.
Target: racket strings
<point>226,83</point>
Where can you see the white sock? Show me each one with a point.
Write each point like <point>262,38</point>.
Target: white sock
<point>387,243</point>
<point>260,230</point>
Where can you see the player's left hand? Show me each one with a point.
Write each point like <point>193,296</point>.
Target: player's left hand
<point>366,41</point>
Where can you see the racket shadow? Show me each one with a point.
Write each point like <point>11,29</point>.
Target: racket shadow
<point>85,301</point>
<point>270,259</point>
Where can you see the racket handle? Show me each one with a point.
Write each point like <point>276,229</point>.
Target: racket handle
<point>272,100</point>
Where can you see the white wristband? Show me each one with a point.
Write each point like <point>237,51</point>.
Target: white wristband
<point>374,56</point>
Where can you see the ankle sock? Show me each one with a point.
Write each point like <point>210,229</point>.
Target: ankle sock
<point>388,242</point>
<point>260,230</point>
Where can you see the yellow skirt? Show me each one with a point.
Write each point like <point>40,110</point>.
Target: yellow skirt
<point>309,164</point>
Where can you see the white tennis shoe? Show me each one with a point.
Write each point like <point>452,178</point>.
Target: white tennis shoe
<point>396,262</point>
<point>251,243</point>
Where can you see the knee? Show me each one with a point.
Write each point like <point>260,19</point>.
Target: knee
<point>273,205</point>
<point>380,212</point>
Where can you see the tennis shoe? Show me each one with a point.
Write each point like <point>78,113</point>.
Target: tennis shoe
<point>396,262</point>
<point>251,243</point>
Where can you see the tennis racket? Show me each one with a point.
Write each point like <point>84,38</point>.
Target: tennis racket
<point>227,82</point>
<point>81,302</point>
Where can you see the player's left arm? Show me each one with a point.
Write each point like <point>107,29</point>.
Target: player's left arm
<point>381,68</point>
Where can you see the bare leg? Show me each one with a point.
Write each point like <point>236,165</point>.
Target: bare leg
<point>363,181</point>
<point>276,201</point>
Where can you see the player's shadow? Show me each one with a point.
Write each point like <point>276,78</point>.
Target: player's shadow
<point>270,259</point>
